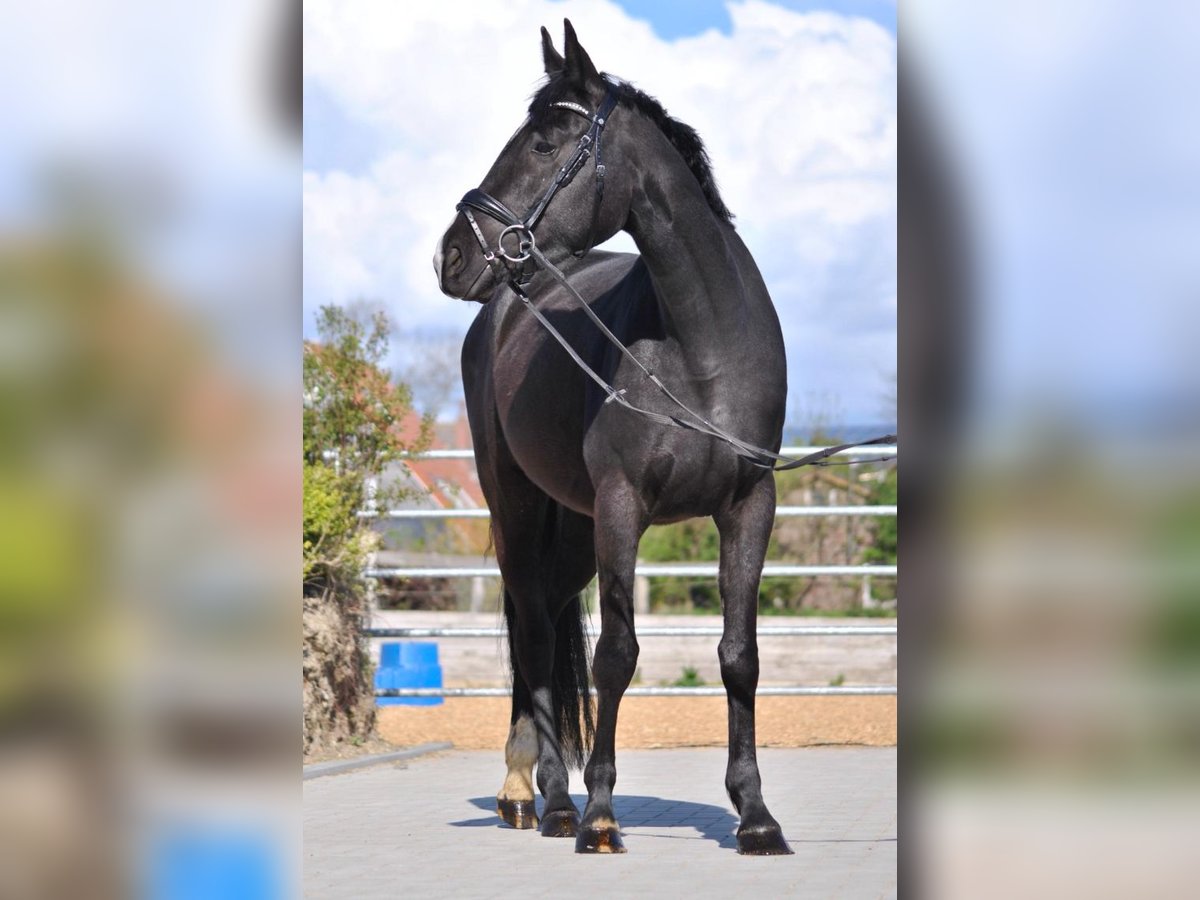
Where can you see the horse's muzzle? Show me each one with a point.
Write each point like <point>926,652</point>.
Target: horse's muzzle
<point>462,272</point>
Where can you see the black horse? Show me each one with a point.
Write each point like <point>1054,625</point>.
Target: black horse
<point>573,481</point>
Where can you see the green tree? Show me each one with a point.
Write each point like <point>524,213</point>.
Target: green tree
<point>883,548</point>
<point>884,543</point>
<point>694,540</point>
<point>353,427</point>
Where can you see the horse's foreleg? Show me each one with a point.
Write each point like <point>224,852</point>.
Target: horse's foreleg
<point>745,532</point>
<point>619,525</point>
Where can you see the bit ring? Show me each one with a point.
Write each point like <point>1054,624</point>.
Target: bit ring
<point>524,243</point>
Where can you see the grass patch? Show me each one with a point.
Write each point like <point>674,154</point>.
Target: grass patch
<point>689,678</point>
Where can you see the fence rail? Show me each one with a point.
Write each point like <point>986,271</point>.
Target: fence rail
<point>852,690</point>
<point>780,512</point>
<point>648,631</point>
<point>881,450</point>
<point>707,691</point>
<point>652,570</point>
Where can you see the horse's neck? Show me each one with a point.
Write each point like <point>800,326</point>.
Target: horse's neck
<point>692,260</point>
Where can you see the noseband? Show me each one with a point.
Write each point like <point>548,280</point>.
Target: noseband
<point>522,228</point>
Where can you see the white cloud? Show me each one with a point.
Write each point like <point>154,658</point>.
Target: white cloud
<point>798,113</point>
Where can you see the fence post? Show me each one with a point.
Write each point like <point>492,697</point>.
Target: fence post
<point>641,595</point>
<point>371,490</point>
<point>371,600</point>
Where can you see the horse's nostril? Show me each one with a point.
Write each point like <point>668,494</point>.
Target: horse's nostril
<point>454,260</point>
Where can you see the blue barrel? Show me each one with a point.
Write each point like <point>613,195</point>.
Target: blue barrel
<point>405,665</point>
<point>389,655</point>
<point>418,654</point>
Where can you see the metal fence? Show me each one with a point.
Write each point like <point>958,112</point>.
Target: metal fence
<point>651,570</point>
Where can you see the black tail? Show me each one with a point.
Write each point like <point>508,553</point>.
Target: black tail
<point>570,682</point>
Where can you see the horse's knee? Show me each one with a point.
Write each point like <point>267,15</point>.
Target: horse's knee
<point>616,656</point>
<point>619,644</point>
<point>739,661</point>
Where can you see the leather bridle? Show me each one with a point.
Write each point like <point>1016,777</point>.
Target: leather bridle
<point>512,267</point>
<point>520,228</point>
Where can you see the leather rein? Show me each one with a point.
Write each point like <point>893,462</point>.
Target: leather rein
<point>526,249</point>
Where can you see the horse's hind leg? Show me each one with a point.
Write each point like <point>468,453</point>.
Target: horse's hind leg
<point>745,529</point>
<point>546,557</point>
<point>515,800</point>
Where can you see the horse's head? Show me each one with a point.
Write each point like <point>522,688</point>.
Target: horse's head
<point>558,178</point>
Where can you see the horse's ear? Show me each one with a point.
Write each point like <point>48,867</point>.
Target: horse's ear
<point>577,63</point>
<point>551,57</point>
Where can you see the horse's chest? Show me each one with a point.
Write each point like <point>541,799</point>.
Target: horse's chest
<point>539,406</point>
<point>531,388</point>
<point>686,485</point>
<point>678,474</point>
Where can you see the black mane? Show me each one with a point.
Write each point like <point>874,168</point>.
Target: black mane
<point>682,136</point>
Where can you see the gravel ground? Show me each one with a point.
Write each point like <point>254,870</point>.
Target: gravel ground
<point>481,723</point>
<point>657,722</point>
<point>347,750</point>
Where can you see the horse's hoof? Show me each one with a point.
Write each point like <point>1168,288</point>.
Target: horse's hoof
<point>599,839</point>
<point>517,813</point>
<point>560,823</point>
<point>762,840</point>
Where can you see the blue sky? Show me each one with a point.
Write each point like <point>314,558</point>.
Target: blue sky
<point>795,100</point>
<point>673,19</point>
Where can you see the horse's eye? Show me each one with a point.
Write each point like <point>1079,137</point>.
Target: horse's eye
<point>543,148</point>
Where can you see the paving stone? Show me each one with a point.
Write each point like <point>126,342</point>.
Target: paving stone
<point>430,826</point>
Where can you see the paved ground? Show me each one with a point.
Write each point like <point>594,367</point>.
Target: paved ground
<point>426,828</point>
